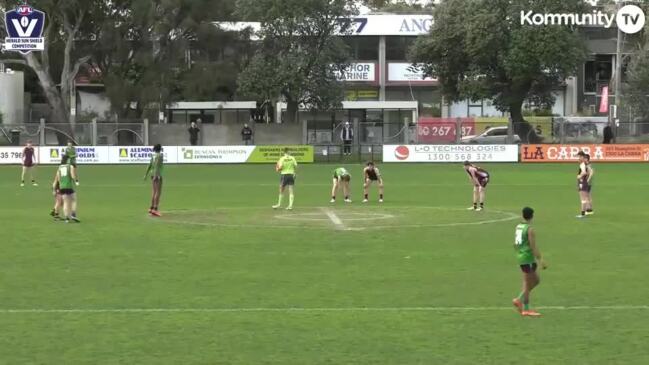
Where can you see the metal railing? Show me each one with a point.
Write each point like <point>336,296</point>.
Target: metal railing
<point>92,133</point>
<point>335,153</point>
<point>594,130</point>
<point>484,131</point>
<point>366,134</point>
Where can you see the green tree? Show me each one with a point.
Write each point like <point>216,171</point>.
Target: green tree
<point>67,22</point>
<point>155,52</point>
<point>147,52</point>
<point>400,6</point>
<point>634,100</point>
<point>479,49</point>
<point>299,52</point>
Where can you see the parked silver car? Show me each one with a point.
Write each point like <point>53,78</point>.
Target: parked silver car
<point>495,135</point>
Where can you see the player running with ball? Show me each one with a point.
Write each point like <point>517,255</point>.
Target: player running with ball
<point>372,174</point>
<point>342,178</point>
<point>529,257</point>
<point>480,178</point>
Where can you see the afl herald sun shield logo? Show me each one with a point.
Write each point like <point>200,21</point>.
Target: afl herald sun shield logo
<point>25,26</point>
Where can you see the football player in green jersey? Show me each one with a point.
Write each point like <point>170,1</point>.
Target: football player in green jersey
<point>342,177</point>
<point>71,152</point>
<point>529,257</point>
<point>64,181</point>
<point>286,167</point>
<point>58,201</point>
<point>155,169</point>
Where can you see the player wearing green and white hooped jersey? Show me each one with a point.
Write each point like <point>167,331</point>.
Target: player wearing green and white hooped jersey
<point>342,178</point>
<point>286,166</point>
<point>71,152</point>
<point>528,256</point>
<point>155,169</point>
<point>64,181</point>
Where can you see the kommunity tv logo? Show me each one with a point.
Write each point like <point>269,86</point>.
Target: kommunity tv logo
<point>629,18</point>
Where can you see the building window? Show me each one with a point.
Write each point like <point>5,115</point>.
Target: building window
<point>597,73</point>
<point>396,48</point>
<point>178,116</point>
<point>363,48</point>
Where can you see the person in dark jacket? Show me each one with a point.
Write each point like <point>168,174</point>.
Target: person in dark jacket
<point>246,134</point>
<point>193,133</point>
<point>608,135</point>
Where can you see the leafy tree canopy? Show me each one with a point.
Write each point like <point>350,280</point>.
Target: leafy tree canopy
<point>479,49</point>
<point>299,52</point>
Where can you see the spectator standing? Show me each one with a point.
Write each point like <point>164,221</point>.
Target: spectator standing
<point>246,134</point>
<point>193,133</point>
<point>608,134</point>
<point>347,136</point>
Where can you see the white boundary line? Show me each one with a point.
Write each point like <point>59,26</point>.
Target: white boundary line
<point>337,222</point>
<point>364,217</point>
<point>509,216</point>
<point>315,310</point>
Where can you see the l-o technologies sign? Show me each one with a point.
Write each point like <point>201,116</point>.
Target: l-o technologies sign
<point>450,153</point>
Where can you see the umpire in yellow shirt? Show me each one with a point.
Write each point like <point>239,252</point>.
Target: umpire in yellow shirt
<point>286,167</point>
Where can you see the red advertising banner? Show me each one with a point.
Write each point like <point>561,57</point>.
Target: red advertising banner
<point>435,130</point>
<point>597,152</point>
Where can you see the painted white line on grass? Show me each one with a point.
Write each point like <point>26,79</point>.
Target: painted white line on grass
<point>349,216</point>
<point>315,310</point>
<point>337,222</point>
<point>318,217</point>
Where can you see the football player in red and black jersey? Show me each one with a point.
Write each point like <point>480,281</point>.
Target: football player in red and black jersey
<point>29,161</point>
<point>585,184</point>
<point>372,174</point>
<point>479,178</point>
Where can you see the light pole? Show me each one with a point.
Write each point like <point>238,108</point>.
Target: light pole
<point>618,71</point>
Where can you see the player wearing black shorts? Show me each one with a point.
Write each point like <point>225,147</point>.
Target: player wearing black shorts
<point>584,184</point>
<point>479,178</point>
<point>372,174</point>
<point>286,166</point>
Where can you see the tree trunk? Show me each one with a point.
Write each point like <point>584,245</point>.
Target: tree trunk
<point>60,110</point>
<point>291,111</point>
<point>521,126</point>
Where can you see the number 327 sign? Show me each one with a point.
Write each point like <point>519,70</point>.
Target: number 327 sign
<point>25,27</point>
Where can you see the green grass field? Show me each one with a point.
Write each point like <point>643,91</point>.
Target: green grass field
<point>223,279</point>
